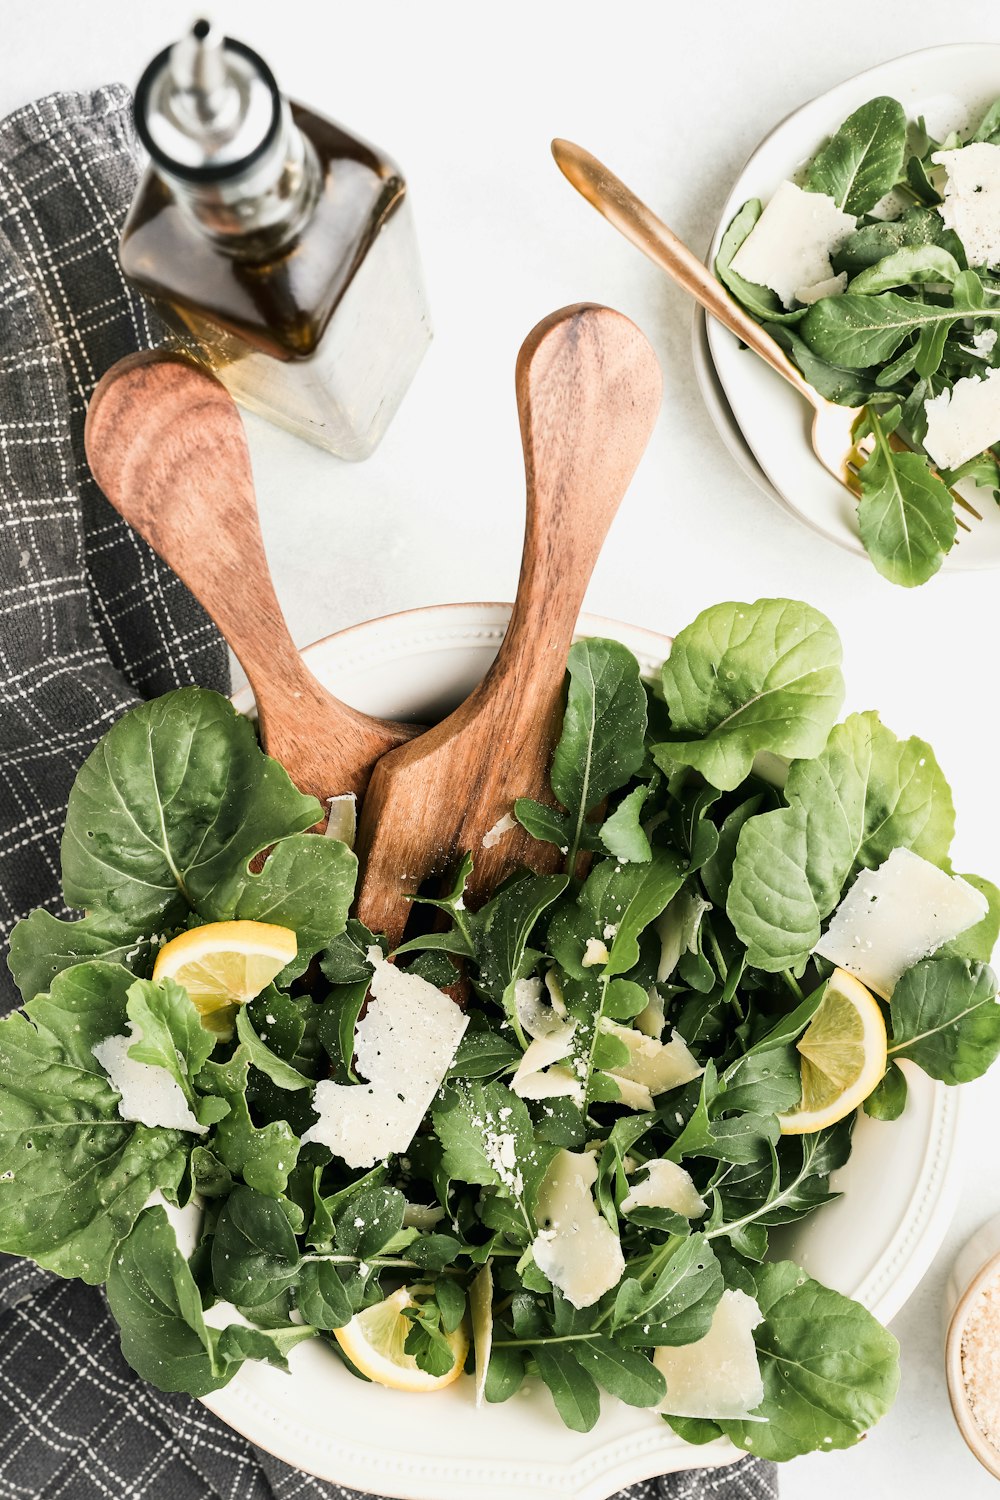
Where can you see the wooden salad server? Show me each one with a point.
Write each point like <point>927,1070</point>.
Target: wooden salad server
<point>167,446</point>
<point>588,393</point>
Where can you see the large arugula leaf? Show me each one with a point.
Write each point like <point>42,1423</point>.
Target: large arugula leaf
<point>604,726</point>
<point>255,1255</point>
<point>174,798</point>
<point>864,160</point>
<point>615,906</point>
<point>859,331</point>
<point>866,794</point>
<point>74,1175</point>
<point>945,1016</point>
<point>488,1138</point>
<point>830,1371</point>
<point>750,677</point>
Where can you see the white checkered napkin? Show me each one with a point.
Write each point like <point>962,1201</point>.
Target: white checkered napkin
<point>90,620</point>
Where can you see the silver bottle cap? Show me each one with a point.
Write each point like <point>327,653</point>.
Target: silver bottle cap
<point>207,108</point>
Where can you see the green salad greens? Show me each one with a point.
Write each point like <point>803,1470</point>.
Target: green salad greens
<point>904,322</point>
<point>660,984</point>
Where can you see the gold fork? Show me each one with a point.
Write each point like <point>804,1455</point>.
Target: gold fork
<point>833,426</point>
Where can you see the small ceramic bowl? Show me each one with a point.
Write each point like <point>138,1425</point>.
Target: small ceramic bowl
<point>975,1266</point>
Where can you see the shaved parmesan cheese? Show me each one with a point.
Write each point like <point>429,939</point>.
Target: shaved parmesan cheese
<point>972,199</point>
<point>405,1044</point>
<point>894,916</point>
<point>666,1186</point>
<point>595,953</point>
<point>833,286</point>
<point>575,1247</point>
<point>421,1216</point>
<point>718,1376</point>
<point>555,992</point>
<point>677,929</point>
<point>343,821</point>
<point>965,420</point>
<point>652,1020</point>
<point>791,243</point>
<point>149,1095</point>
<point>658,1066</point>
<point>503,825</point>
<point>537,1016</point>
<point>981,344</point>
<point>481,1308</point>
<point>531,1081</point>
<point>632,1095</point>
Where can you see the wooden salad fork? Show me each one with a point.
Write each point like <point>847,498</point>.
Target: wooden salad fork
<point>588,392</point>
<point>167,446</point>
<point>833,426</point>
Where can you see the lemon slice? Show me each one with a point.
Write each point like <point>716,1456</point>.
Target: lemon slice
<point>843,1052</point>
<point>225,964</point>
<point>373,1341</point>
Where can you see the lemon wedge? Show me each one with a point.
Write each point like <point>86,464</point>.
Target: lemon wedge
<point>843,1052</point>
<point>373,1341</point>
<point>225,964</point>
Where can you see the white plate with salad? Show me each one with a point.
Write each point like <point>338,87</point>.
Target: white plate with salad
<point>637,1104</point>
<point>911,270</point>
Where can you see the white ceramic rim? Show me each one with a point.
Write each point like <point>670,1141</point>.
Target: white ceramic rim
<point>960,559</point>
<point>721,412</point>
<point>645,1452</point>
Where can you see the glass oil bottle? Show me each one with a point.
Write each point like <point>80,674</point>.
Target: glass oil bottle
<point>279,247</point>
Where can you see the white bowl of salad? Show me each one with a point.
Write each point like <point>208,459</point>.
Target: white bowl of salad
<point>864,234</point>
<point>578,1232</point>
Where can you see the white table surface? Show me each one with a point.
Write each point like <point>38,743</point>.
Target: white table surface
<point>675,97</point>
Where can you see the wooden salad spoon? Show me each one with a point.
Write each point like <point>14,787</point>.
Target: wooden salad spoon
<point>833,438</point>
<point>588,392</point>
<point>167,446</point>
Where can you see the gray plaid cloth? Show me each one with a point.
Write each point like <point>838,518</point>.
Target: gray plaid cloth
<point>92,621</point>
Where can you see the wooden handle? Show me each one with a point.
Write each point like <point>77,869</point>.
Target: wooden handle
<point>637,222</point>
<point>588,393</point>
<point>166,444</point>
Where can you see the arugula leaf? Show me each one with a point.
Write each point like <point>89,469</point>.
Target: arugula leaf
<point>576,1397</point>
<point>262,1157</point>
<point>488,1138</point>
<point>907,267</point>
<point>547,824</point>
<point>174,797</point>
<point>874,242</point>
<point>888,1099</point>
<point>483,1054</point>
<point>866,794</point>
<point>42,946</point>
<point>624,1373</point>
<point>74,1175</point>
<point>306,884</point>
<point>673,1299</point>
<point>164,1337</point>
<point>749,677</point>
<point>603,734</point>
<point>269,1063</point>
<point>945,1016</point>
<point>759,301</point>
<point>616,905</point>
<point>622,834</point>
<point>830,1370</point>
<point>254,1251</point>
<point>499,933</point>
<point>861,331</point>
<point>170,1032</point>
<point>906,514</point>
<point>864,160</point>
<point>369,1220</point>
<point>845,387</point>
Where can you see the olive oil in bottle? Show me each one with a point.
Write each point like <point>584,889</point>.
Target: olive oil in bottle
<point>276,245</point>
